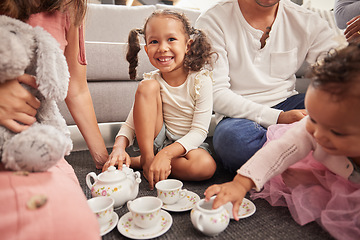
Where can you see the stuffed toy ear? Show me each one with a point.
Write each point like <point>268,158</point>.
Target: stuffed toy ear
<point>52,75</point>
<point>16,51</point>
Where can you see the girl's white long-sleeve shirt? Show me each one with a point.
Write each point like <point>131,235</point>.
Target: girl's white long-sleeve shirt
<point>248,79</point>
<point>187,109</point>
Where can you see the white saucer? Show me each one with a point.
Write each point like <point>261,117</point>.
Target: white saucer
<point>247,208</point>
<point>106,229</point>
<point>184,204</point>
<point>127,228</point>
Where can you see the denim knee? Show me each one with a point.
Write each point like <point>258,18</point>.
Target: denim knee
<point>236,140</point>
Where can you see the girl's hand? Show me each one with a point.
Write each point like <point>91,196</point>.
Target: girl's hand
<point>117,157</point>
<point>159,169</point>
<point>233,192</point>
<point>100,158</point>
<point>352,33</point>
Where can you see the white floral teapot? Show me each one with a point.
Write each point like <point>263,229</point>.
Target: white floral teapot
<point>122,185</point>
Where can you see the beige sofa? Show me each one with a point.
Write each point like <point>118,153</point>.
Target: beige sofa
<point>106,31</point>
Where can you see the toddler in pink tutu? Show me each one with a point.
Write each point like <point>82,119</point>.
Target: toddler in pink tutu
<point>312,166</point>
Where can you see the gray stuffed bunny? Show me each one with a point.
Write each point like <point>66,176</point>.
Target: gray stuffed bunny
<point>32,50</point>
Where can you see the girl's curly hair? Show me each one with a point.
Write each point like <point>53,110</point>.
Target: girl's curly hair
<point>199,56</point>
<point>338,72</point>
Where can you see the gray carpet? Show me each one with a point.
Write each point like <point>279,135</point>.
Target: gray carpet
<point>267,223</point>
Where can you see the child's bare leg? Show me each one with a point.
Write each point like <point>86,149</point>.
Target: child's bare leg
<point>148,119</point>
<point>135,163</point>
<point>197,165</point>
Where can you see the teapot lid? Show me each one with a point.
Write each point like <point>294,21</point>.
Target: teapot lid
<point>112,175</point>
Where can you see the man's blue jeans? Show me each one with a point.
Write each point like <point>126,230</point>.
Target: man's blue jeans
<point>236,140</point>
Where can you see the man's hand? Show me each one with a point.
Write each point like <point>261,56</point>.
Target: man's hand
<point>291,116</point>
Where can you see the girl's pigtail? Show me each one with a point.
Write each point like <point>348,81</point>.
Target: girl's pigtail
<point>200,54</point>
<point>132,52</point>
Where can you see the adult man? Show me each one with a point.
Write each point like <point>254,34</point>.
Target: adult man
<point>261,45</point>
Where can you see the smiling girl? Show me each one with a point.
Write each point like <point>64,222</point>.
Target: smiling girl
<point>173,105</point>
<point>323,150</point>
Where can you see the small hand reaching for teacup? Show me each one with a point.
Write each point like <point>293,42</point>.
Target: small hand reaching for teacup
<point>233,192</point>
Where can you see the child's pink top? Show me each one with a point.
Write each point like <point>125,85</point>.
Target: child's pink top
<point>57,24</point>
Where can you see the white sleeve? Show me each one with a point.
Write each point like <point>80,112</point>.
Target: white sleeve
<point>321,39</point>
<point>202,115</point>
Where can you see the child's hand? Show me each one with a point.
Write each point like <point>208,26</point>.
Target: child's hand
<point>117,158</point>
<point>233,191</point>
<point>118,155</point>
<point>159,169</point>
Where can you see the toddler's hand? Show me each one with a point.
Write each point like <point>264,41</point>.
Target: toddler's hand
<point>233,192</point>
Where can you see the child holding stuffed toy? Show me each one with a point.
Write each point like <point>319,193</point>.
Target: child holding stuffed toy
<point>38,205</point>
<point>173,105</point>
<point>63,20</point>
<point>323,186</point>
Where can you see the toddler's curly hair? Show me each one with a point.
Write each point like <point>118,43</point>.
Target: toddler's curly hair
<point>339,72</point>
<point>199,56</point>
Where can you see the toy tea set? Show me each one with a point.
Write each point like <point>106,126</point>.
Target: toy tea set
<point>148,216</point>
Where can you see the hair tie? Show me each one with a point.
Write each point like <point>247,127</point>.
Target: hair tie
<point>140,31</point>
<point>194,31</point>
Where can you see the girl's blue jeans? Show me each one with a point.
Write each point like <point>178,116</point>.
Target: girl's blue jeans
<point>236,140</point>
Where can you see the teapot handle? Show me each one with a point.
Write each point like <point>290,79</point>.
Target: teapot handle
<point>137,177</point>
<point>88,181</point>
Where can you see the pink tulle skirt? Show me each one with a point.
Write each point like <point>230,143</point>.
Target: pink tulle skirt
<point>313,193</point>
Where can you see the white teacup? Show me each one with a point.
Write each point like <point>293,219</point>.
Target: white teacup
<point>145,211</point>
<point>207,220</point>
<point>170,191</point>
<point>103,207</point>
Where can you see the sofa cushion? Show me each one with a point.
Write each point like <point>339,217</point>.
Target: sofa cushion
<point>112,101</point>
<point>107,61</point>
<point>192,14</point>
